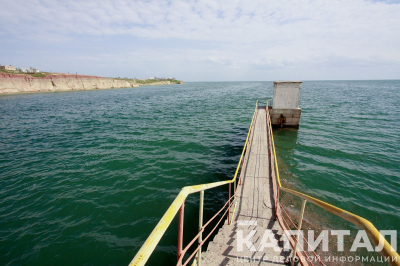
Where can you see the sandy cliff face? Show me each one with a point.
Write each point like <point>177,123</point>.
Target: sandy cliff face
<point>18,83</point>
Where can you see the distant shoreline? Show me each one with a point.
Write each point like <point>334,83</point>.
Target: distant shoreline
<point>11,83</point>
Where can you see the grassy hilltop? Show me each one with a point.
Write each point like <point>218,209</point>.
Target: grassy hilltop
<point>150,81</point>
<point>35,75</point>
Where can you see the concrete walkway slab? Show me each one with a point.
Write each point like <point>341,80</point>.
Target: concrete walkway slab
<point>254,217</point>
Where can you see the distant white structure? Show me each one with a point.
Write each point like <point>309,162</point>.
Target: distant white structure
<point>8,67</point>
<point>32,70</point>
<point>285,110</point>
<point>152,78</point>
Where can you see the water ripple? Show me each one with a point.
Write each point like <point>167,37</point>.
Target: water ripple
<point>85,176</point>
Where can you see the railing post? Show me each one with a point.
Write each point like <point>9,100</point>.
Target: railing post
<point>200,226</point>
<point>234,190</point>
<point>229,204</point>
<point>180,233</point>
<point>277,202</point>
<point>303,206</point>
<point>241,169</point>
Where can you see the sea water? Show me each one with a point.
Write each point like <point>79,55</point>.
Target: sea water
<point>85,176</point>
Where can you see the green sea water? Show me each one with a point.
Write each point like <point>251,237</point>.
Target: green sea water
<point>85,176</point>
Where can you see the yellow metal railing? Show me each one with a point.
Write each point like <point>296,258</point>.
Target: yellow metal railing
<point>151,242</point>
<point>362,223</point>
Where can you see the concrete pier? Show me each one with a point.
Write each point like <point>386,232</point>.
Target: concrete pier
<point>255,209</point>
<point>256,224</point>
<point>285,111</point>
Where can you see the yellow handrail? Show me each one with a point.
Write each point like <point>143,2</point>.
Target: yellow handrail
<point>364,224</point>
<point>151,242</point>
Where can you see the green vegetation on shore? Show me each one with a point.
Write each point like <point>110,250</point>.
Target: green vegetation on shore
<point>35,75</point>
<point>149,81</point>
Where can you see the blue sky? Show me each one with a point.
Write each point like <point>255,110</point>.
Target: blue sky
<point>205,40</point>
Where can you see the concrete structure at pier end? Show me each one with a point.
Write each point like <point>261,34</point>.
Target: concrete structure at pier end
<point>285,110</point>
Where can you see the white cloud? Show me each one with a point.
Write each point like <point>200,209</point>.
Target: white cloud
<point>260,35</point>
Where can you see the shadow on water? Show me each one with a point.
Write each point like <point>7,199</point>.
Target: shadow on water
<point>214,199</point>
<point>315,218</point>
<point>285,145</point>
<point>288,132</point>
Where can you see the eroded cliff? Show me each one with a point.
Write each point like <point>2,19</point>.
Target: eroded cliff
<point>20,83</point>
